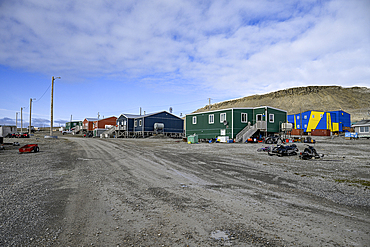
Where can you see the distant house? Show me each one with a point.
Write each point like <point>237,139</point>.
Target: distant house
<point>335,121</point>
<point>129,125</point>
<point>73,124</point>
<point>101,125</point>
<point>362,128</point>
<point>88,124</point>
<point>235,123</point>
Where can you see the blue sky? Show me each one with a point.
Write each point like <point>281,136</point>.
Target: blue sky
<point>114,57</point>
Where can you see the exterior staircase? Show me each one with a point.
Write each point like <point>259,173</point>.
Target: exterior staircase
<point>76,130</point>
<point>109,131</point>
<point>249,130</point>
<point>245,133</point>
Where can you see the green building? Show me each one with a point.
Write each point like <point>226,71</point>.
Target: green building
<point>73,124</point>
<point>235,123</point>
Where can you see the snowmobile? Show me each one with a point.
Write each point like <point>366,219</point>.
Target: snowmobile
<point>282,150</point>
<point>310,153</point>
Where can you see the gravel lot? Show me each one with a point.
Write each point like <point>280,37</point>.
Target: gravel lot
<point>164,192</point>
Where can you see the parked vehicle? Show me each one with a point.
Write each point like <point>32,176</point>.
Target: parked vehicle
<point>11,135</point>
<point>24,135</point>
<point>66,132</point>
<point>282,150</point>
<point>29,148</point>
<point>274,140</point>
<point>310,153</point>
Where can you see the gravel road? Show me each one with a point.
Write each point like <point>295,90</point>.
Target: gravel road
<point>165,192</point>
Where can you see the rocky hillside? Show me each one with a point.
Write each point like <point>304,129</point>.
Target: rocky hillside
<point>354,100</point>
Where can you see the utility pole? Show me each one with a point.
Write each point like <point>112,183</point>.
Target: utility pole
<point>29,129</point>
<point>51,106</point>
<point>16,121</point>
<point>22,119</point>
<point>70,123</point>
<point>97,126</point>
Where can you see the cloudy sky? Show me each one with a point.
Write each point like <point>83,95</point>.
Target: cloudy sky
<point>114,57</point>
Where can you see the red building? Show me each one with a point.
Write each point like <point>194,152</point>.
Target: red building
<point>104,123</point>
<point>101,125</point>
<point>88,124</point>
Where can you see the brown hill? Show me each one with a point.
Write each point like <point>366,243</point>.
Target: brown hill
<point>354,100</point>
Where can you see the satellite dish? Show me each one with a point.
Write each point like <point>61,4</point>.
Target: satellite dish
<point>170,109</point>
<point>225,122</point>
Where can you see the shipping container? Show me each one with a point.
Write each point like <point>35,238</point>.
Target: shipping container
<point>320,132</point>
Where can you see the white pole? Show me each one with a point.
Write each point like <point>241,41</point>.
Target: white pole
<point>16,122</point>
<point>29,128</point>
<point>21,120</point>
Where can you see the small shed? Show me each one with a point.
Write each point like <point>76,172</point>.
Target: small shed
<point>362,128</point>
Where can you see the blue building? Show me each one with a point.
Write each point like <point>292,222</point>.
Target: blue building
<point>335,121</point>
<point>129,125</point>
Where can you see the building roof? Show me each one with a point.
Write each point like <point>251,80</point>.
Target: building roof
<point>242,108</point>
<point>362,123</point>
<point>129,115</point>
<point>146,115</point>
<point>91,119</point>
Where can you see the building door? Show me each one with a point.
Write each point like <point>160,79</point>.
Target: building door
<point>259,117</point>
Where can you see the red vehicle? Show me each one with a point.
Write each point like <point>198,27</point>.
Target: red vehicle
<point>22,135</point>
<point>29,148</point>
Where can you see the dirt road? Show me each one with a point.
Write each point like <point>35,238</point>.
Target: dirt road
<point>162,192</point>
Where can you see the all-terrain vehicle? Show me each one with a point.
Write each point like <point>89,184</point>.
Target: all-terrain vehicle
<point>310,153</point>
<point>282,150</point>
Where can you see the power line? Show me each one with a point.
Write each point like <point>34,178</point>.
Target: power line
<point>43,94</point>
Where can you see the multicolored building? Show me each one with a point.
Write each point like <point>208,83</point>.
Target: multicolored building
<point>335,121</point>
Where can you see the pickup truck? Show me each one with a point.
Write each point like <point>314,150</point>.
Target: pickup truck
<point>66,132</point>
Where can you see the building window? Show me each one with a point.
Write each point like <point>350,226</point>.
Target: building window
<point>135,123</point>
<point>244,117</point>
<point>297,117</point>
<point>305,125</point>
<point>271,118</point>
<point>222,117</point>
<point>298,126</point>
<point>320,115</point>
<point>223,132</point>
<point>305,116</point>
<point>364,129</point>
<point>211,119</point>
<point>259,117</point>
<point>140,122</point>
<point>313,116</point>
<point>194,120</point>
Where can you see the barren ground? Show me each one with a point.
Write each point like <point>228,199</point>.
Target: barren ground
<point>164,192</point>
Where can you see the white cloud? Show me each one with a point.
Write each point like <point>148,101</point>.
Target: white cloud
<point>234,47</point>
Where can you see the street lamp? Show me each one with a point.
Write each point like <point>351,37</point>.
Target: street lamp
<point>52,93</point>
